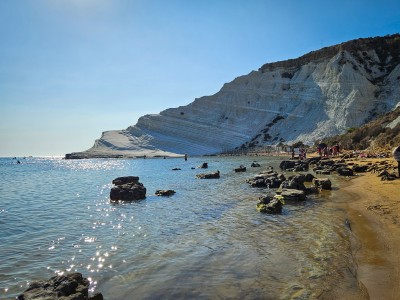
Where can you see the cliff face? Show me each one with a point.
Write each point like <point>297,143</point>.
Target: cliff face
<point>320,94</point>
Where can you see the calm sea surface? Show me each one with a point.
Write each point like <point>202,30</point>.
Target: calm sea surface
<point>205,242</point>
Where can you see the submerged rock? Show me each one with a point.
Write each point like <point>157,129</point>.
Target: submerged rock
<point>165,192</point>
<point>67,287</point>
<point>255,164</point>
<point>127,189</point>
<point>213,175</point>
<point>204,166</point>
<point>270,205</point>
<point>241,169</point>
<point>322,183</point>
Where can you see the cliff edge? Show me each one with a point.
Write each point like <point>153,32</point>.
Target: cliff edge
<point>319,94</point>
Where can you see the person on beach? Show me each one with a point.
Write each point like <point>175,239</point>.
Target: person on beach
<point>396,156</point>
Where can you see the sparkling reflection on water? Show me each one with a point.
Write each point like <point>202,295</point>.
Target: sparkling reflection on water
<point>205,242</point>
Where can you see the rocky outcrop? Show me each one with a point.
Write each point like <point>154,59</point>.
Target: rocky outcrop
<point>65,287</point>
<point>319,94</point>
<point>127,188</point>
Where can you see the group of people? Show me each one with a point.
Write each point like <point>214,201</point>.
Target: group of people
<point>325,151</point>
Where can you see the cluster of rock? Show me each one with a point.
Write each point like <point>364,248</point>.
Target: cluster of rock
<point>64,287</point>
<point>295,165</point>
<point>324,166</point>
<point>267,179</point>
<point>127,188</point>
<point>291,189</point>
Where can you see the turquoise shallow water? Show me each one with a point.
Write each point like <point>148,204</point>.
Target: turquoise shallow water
<point>205,242</point>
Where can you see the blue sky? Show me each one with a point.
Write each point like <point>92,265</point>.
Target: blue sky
<point>70,69</point>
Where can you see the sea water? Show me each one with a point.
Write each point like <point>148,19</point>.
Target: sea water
<point>205,242</point>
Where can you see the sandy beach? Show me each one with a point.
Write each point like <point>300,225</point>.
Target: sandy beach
<point>374,215</point>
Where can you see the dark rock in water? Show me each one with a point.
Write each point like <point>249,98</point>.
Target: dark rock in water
<point>388,177</point>
<point>323,172</point>
<point>165,192</point>
<point>324,162</point>
<point>241,169</point>
<point>308,177</point>
<point>213,175</point>
<point>311,190</point>
<point>343,171</point>
<point>270,205</point>
<point>255,164</point>
<point>176,169</point>
<point>292,195</point>
<point>265,199</point>
<point>297,166</point>
<point>126,180</point>
<point>313,160</point>
<point>322,183</point>
<point>127,189</point>
<point>273,182</point>
<point>268,179</point>
<point>66,287</point>
<point>294,182</point>
<point>204,166</point>
<point>360,169</point>
<point>287,164</point>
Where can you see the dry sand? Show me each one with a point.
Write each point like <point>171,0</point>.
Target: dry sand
<point>374,215</point>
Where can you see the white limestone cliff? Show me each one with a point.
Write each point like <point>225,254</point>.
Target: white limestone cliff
<point>319,94</point>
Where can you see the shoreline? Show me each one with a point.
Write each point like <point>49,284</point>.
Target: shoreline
<point>373,209</point>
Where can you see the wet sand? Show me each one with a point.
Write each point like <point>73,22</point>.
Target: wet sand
<point>374,215</point>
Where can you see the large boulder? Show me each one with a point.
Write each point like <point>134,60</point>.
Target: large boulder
<point>294,165</point>
<point>322,183</point>
<point>360,169</point>
<point>66,287</point>
<point>309,177</point>
<point>126,180</point>
<point>268,179</point>
<point>294,182</point>
<point>344,171</point>
<point>292,195</point>
<point>270,205</point>
<point>127,189</point>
